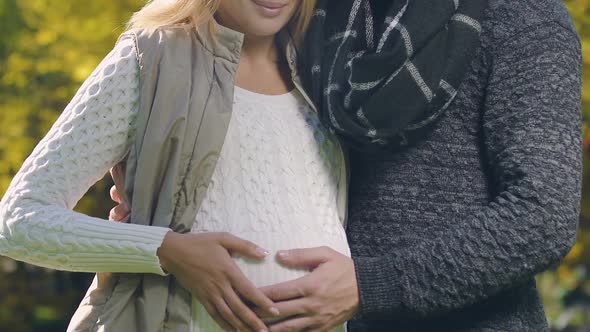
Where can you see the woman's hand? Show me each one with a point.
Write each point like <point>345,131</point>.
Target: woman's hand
<point>319,301</point>
<point>202,264</point>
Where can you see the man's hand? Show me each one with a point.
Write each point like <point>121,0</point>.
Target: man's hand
<point>122,211</point>
<point>202,264</point>
<point>319,301</point>
<point>119,213</point>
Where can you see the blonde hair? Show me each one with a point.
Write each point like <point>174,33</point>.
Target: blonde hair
<point>199,13</point>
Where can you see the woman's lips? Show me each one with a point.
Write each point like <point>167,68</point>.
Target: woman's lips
<point>270,8</point>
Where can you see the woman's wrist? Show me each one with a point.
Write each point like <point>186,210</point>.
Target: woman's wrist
<point>166,250</point>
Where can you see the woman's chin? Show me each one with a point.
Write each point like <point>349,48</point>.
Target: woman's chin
<point>262,30</point>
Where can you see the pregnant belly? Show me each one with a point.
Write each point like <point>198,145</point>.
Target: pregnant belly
<point>269,271</point>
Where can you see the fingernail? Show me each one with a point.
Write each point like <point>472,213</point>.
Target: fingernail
<point>275,311</point>
<point>262,251</point>
<point>283,254</point>
<point>263,331</point>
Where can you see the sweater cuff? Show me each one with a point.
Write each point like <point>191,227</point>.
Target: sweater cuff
<point>380,285</point>
<point>136,252</point>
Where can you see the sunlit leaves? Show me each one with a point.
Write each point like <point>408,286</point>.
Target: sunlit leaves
<point>48,47</point>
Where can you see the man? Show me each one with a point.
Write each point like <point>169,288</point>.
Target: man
<point>463,123</point>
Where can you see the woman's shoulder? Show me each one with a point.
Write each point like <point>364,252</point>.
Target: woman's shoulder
<point>162,34</point>
<point>118,70</point>
<point>177,45</point>
<point>148,39</point>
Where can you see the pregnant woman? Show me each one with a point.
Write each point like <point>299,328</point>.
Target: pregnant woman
<point>198,113</point>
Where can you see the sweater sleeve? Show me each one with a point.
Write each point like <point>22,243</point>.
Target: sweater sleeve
<point>94,132</point>
<point>532,138</point>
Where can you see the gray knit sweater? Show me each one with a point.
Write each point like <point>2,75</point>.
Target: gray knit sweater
<point>449,234</point>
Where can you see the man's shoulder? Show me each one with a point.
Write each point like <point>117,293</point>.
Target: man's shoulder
<point>507,18</point>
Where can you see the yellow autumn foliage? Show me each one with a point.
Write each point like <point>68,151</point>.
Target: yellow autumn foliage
<point>47,49</point>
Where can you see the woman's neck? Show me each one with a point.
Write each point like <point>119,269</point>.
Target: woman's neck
<point>259,49</point>
<point>262,67</point>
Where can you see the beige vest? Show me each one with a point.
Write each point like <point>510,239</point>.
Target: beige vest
<point>186,95</point>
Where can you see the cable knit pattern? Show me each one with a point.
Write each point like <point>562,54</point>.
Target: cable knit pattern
<point>448,235</point>
<point>93,133</point>
<point>275,184</point>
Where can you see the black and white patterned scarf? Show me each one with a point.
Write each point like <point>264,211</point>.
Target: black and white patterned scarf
<point>385,84</point>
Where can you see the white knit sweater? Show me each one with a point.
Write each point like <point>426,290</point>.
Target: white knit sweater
<point>94,132</point>
<point>275,183</point>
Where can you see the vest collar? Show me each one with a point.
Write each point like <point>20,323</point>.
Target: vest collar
<point>223,42</point>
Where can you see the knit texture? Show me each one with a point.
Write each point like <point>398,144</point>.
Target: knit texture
<point>275,184</point>
<point>93,134</point>
<point>448,234</point>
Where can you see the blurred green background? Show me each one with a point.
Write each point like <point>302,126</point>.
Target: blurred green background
<point>47,49</point>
